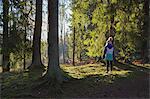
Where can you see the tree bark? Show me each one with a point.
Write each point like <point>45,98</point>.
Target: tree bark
<point>62,20</point>
<point>24,54</point>
<point>145,28</point>
<point>54,72</point>
<point>61,35</point>
<point>5,48</point>
<point>149,36</point>
<point>25,34</point>
<point>73,63</point>
<point>64,44</point>
<point>36,56</point>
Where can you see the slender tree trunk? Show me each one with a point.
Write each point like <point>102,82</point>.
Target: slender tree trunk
<point>5,48</point>
<point>67,49</point>
<point>73,63</point>
<point>61,30</point>
<point>62,20</point>
<point>145,28</point>
<point>149,34</point>
<point>24,54</point>
<point>81,45</point>
<point>36,56</point>
<point>54,72</point>
<point>64,32</point>
<point>25,35</point>
<point>64,45</point>
<point>112,29</point>
<point>80,56</point>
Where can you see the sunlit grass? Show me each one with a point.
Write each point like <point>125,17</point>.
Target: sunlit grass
<point>89,75</point>
<point>83,71</point>
<point>144,65</point>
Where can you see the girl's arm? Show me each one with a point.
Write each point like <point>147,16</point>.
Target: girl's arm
<point>105,50</point>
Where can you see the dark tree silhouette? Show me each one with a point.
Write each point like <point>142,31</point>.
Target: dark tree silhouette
<point>36,57</point>
<point>5,46</point>
<point>53,71</point>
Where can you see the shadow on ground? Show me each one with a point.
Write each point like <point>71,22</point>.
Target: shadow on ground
<point>131,84</point>
<point>88,81</point>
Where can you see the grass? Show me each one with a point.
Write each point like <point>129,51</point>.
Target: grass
<point>84,71</point>
<point>84,79</point>
<point>16,84</point>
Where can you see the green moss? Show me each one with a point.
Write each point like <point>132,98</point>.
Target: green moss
<point>86,77</point>
<point>83,71</point>
<point>14,84</point>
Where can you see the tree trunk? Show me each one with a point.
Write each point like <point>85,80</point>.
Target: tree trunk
<point>81,45</point>
<point>54,72</point>
<point>36,56</point>
<point>67,49</point>
<point>5,46</point>
<point>24,54</point>
<point>64,44</point>
<point>80,57</point>
<point>112,29</point>
<point>62,23</point>
<point>73,63</point>
<point>61,35</point>
<point>149,35</point>
<point>25,36</point>
<point>145,28</point>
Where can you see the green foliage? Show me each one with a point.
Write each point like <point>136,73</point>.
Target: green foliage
<point>20,28</point>
<point>100,16</point>
<point>95,44</point>
<point>128,31</point>
<point>16,56</point>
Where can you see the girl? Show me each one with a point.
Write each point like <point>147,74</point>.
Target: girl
<point>108,53</point>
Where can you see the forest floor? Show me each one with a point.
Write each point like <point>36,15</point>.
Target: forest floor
<point>86,81</point>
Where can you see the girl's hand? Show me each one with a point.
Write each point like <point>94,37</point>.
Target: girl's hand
<point>103,56</point>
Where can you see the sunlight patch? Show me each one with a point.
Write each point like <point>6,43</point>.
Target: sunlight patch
<point>92,69</point>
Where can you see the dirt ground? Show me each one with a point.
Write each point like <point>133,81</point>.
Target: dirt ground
<point>134,85</point>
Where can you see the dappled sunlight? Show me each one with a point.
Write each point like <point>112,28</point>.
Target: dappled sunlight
<point>21,82</point>
<point>122,72</point>
<point>147,66</point>
<point>86,78</point>
<point>74,49</point>
<point>80,72</point>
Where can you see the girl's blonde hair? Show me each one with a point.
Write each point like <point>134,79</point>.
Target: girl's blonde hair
<point>109,39</point>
